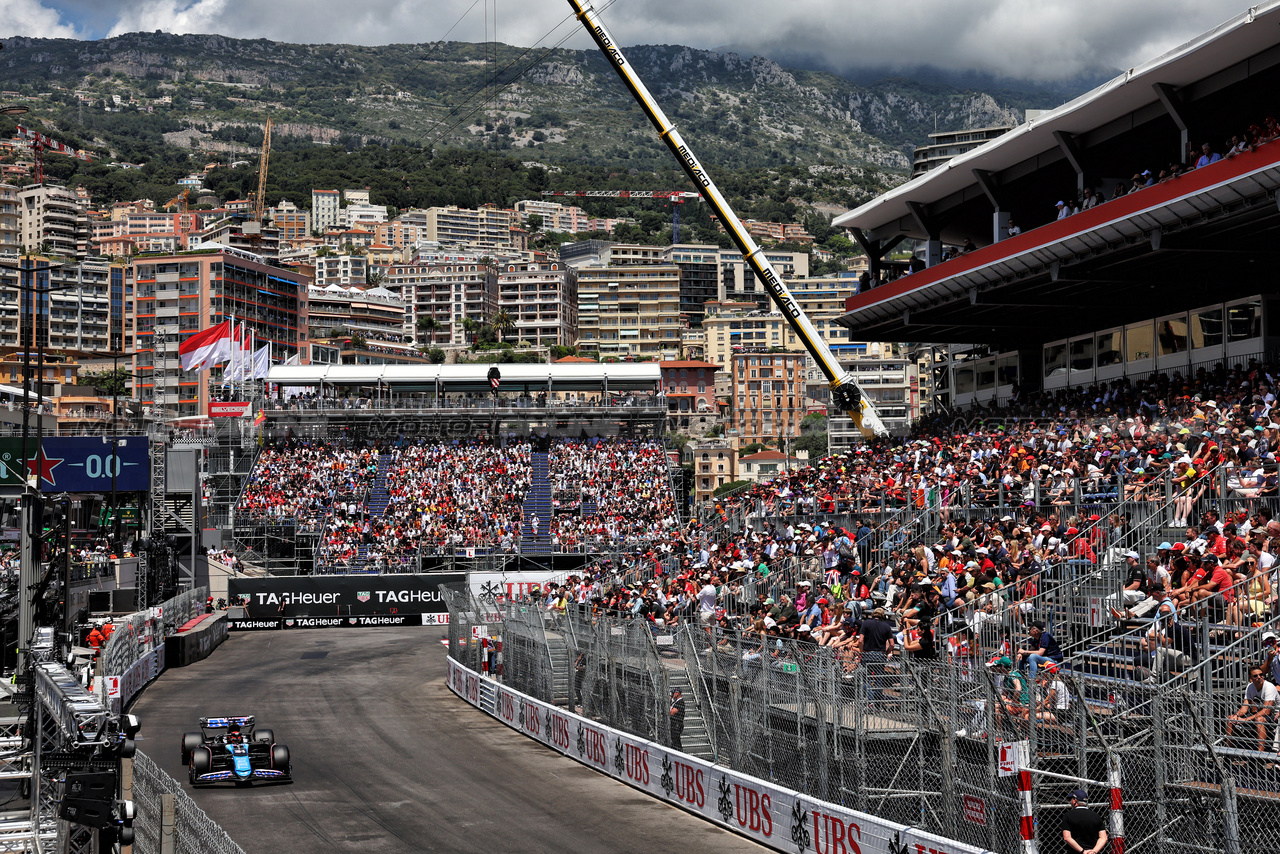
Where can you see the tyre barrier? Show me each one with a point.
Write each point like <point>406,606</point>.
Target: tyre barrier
<point>779,818</point>
<point>195,640</point>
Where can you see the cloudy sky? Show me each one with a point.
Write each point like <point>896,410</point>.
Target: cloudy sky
<point>1030,39</point>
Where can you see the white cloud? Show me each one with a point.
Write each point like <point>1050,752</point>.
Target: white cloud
<point>1038,39</point>
<point>203,16</point>
<point>31,18</point>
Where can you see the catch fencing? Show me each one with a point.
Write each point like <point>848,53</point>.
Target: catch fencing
<point>134,654</point>
<point>915,742</point>
<point>168,820</point>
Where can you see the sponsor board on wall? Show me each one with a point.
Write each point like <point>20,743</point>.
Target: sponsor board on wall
<point>358,622</point>
<point>776,817</point>
<point>499,587</point>
<point>339,601</point>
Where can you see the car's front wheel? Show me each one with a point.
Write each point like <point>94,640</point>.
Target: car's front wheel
<point>201,763</point>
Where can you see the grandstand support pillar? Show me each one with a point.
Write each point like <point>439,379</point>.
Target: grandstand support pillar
<point>1180,112</point>
<point>1071,150</point>
<point>1000,226</point>
<point>932,227</point>
<point>876,249</point>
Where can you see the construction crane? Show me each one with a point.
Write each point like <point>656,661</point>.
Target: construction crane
<point>41,143</point>
<point>260,200</point>
<point>846,396</point>
<point>184,222</point>
<point>676,197</point>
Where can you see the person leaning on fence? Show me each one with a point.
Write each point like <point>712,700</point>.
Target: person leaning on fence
<point>1082,828</point>
<point>1257,709</point>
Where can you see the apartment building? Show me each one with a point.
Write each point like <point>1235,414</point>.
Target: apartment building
<point>344,270</point>
<point>487,226</point>
<point>738,282</point>
<point>778,232</point>
<point>768,395</point>
<point>243,235</point>
<point>375,313</point>
<point>541,296</point>
<point>715,463</point>
<point>699,277</point>
<point>690,387</point>
<point>176,296</point>
<point>325,205</point>
<point>631,310</point>
<point>83,308</point>
<point>10,219</point>
<point>442,290</point>
<point>293,222</point>
<point>53,219</point>
<point>568,219</point>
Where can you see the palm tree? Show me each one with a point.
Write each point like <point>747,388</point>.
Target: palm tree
<point>428,324</point>
<point>470,327</point>
<point>503,323</point>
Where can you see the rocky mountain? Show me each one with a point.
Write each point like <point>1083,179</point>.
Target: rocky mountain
<point>567,106</point>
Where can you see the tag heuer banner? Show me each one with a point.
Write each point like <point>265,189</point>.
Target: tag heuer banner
<point>341,601</point>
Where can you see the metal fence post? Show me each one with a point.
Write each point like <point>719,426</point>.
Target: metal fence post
<point>168,818</point>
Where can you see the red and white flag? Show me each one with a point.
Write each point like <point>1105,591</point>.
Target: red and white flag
<point>205,349</point>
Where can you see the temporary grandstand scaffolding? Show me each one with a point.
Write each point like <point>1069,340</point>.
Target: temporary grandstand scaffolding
<point>918,742</point>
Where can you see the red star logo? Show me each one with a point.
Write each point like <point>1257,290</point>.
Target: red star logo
<point>46,466</point>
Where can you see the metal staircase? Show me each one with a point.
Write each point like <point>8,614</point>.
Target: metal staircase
<point>537,502</point>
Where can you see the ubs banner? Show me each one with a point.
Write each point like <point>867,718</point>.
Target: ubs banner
<point>782,819</point>
<point>341,601</point>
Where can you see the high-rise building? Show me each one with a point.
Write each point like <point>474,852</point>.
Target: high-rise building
<point>176,296</point>
<point>53,220</point>
<point>768,395</point>
<point>441,291</point>
<point>541,297</point>
<point>630,310</point>
<point>374,313</point>
<point>325,205</point>
<point>80,312</point>
<point>10,219</point>
<point>484,227</point>
<point>738,282</point>
<point>699,277</point>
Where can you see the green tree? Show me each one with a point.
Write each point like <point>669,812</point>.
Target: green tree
<point>109,381</point>
<point>428,325</point>
<point>436,356</point>
<point>502,323</point>
<point>534,222</point>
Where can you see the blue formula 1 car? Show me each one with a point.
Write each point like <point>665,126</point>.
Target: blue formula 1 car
<point>231,749</point>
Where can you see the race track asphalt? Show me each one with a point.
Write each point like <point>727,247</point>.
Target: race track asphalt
<point>387,759</point>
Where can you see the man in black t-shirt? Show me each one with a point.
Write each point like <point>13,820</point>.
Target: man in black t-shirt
<point>877,643</point>
<point>1082,830</point>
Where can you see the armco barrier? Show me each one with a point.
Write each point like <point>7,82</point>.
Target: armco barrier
<point>779,818</point>
<point>195,642</point>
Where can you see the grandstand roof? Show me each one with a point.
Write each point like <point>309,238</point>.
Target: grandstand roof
<point>1251,32</point>
<point>624,376</point>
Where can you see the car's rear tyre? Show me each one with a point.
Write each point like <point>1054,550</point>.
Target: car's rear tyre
<point>280,757</point>
<point>190,741</point>
<point>201,763</point>
<point>264,736</point>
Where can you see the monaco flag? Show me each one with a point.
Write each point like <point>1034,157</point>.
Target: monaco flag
<point>205,349</point>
